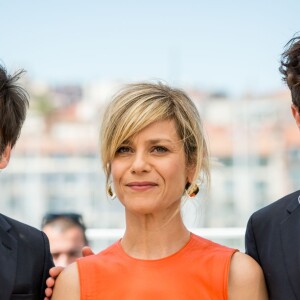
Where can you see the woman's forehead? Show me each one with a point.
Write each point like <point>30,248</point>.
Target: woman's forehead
<point>157,130</point>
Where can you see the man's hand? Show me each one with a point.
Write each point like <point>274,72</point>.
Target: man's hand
<point>55,271</point>
<point>87,251</point>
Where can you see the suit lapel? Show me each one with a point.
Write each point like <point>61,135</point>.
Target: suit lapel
<point>290,241</point>
<point>8,260</point>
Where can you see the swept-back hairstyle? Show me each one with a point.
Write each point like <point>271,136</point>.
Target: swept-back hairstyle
<point>290,68</point>
<point>136,106</point>
<point>13,106</point>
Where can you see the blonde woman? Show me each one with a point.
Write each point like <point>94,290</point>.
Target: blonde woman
<point>154,154</point>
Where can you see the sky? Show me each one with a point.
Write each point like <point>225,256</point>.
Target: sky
<point>232,46</point>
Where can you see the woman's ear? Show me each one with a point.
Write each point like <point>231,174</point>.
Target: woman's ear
<point>296,114</point>
<point>5,156</point>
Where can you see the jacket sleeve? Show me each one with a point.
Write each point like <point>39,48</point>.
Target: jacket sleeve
<point>48,263</point>
<point>250,242</point>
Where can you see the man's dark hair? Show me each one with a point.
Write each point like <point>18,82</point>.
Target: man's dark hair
<point>290,68</point>
<point>13,106</point>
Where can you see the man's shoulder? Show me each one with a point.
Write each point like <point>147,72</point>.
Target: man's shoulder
<point>9,224</point>
<point>278,207</point>
<point>33,258</point>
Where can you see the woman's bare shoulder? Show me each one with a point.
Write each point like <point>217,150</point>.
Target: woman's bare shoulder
<point>67,285</point>
<point>246,279</point>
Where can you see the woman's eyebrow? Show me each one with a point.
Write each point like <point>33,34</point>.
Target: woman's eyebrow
<point>126,142</point>
<point>157,141</point>
<point>167,142</point>
<point>151,141</point>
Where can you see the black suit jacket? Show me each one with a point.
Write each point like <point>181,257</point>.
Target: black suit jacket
<point>25,260</point>
<point>273,240</point>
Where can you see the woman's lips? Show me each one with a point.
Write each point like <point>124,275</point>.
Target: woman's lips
<point>141,185</point>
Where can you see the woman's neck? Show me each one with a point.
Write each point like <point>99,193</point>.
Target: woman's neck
<point>153,237</point>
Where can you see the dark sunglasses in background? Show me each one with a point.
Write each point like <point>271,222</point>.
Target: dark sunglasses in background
<point>76,218</point>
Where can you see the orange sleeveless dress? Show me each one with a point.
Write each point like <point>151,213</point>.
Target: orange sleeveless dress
<point>199,271</point>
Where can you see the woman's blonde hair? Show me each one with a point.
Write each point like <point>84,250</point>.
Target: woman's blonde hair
<point>136,106</point>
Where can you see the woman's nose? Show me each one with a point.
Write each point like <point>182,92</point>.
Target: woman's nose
<point>140,163</point>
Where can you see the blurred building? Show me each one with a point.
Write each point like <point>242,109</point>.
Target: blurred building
<point>252,140</point>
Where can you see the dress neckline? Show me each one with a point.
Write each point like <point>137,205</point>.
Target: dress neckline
<point>171,256</point>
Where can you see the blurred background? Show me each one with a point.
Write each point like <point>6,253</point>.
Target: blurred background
<point>224,54</point>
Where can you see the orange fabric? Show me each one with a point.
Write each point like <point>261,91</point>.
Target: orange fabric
<point>198,271</point>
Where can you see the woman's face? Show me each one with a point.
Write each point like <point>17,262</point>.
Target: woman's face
<point>149,170</point>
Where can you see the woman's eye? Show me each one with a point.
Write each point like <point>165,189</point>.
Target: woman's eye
<point>123,149</point>
<point>160,149</point>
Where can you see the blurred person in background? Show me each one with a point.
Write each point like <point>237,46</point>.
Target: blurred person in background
<point>272,235</point>
<point>154,155</point>
<point>66,234</point>
<point>25,257</point>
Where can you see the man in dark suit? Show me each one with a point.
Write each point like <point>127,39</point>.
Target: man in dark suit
<point>25,257</point>
<point>273,232</point>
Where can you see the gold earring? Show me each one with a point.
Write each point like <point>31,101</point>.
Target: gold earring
<point>195,190</point>
<point>110,192</point>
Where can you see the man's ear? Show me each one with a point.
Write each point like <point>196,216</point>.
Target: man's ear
<point>296,114</point>
<point>4,159</point>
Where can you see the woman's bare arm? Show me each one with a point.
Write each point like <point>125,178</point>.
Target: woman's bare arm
<point>246,279</point>
<point>55,271</point>
<point>67,285</point>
